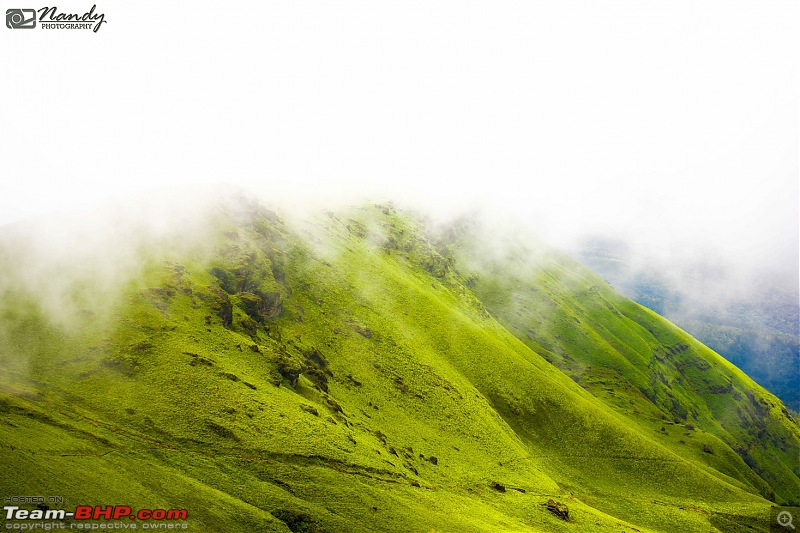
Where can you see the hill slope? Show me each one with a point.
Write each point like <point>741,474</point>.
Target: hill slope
<point>758,333</point>
<point>357,375</point>
<point>644,367</point>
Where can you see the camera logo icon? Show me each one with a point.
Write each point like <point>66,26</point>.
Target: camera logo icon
<point>17,19</point>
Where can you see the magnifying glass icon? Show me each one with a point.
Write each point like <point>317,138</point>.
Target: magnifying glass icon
<point>785,519</point>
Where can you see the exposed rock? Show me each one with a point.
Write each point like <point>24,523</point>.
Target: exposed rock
<point>290,369</point>
<point>261,306</point>
<point>558,509</point>
<point>499,487</point>
<point>223,308</point>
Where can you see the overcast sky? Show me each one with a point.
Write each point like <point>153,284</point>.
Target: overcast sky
<point>669,121</point>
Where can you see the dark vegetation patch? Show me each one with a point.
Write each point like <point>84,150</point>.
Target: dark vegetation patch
<point>297,521</point>
<point>221,430</point>
<point>225,279</point>
<point>223,307</point>
<point>316,369</point>
<point>362,330</point>
<point>196,359</point>
<point>123,363</point>
<point>249,326</point>
<point>725,388</point>
<point>309,409</point>
<point>293,361</point>
<point>353,381</point>
<point>142,346</point>
<point>333,405</point>
<point>357,228</point>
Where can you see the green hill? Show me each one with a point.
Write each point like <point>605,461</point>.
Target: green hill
<point>757,333</point>
<point>365,373</point>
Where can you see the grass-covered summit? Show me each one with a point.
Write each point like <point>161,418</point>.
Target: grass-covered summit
<point>364,372</point>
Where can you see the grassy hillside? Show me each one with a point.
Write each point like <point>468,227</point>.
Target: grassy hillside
<point>355,374</point>
<point>759,334</point>
<point>645,368</point>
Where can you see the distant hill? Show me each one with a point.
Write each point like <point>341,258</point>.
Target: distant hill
<point>368,372</point>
